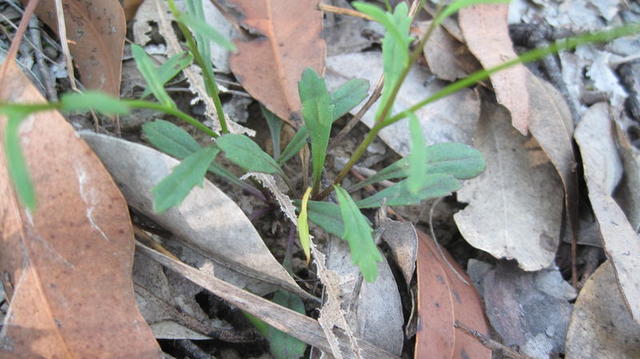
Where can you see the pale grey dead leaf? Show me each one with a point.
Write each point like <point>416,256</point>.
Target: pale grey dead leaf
<point>171,312</point>
<point>515,207</point>
<point>601,73</point>
<point>452,119</point>
<point>595,130</point>
<point>627,195</point>
<point>345,34</point>
<point>403,242</point>
<point>621,242</point>
<point>601,325</point>
<point>373,310</point>
<point>528,310</point>
<point>207,219</point>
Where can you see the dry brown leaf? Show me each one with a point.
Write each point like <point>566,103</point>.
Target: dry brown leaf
<point>96,31</point>
<point>601,326</point>
<point>486,32</point>
<point>443,299</point>
<point>515,208</point>
<point>621,242</point>
<point>130,7</point>
<point>270,65</point>
<point>447,57</point>
<point>67,266</point>
<point>206,219</point>
<point>627,196</point>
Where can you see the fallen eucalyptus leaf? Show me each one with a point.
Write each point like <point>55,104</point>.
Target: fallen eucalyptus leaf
<point>601,325</point>
<point>515,208</point>
<point>207,218</point>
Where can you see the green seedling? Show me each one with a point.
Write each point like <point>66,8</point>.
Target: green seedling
<point>427,172</point>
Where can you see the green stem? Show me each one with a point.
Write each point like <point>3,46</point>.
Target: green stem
<point>379,122</point>
<point>209,78</point>
<point>533,55</point>
<point>171,111</point>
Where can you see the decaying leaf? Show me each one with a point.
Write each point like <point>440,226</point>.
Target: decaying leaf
<point>486,33</point>
<point>443,299</point>
<point>452,119</point>
<point>95,30</point>
<point>447,57</point>
<point>373,309</point>
<point>270,65</point>
<point>627,196</point>
<point>601,325</point>
<point>620,240</point>
<point>515,208</point>
<point>68,264</point>
<point>530,310</point>
<point>207,219</point>
<point>402,239</point>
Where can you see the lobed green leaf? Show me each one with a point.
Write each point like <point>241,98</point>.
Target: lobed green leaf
<point>348,96</point>
<point>358,233</point>
<point>200,27</point>
<point>432,186</point>
<point>327,216</point>
<point>170,68</point>
<point>317,113</point>
<point>417,158</point>
<point>150,74</point>
<point>172,190</point>
<point>242,151</point>
<point>16,164</point>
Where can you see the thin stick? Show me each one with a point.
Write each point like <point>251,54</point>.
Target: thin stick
<point>49,85</point>
<point>490,343</point>
<point>343,11</point>
<point>17,39</point>
<point>62,32</point>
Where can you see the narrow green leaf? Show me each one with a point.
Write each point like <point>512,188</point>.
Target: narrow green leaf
<point>170,68</point>
<point>200,27</point>
<point>348,96</point>
<point>418,157</point>
<point>303,226</point>
<point>453,7</point>
<point>456,159</point>
<point>173,140</point>
<point>281,345</point>
<point>150,74</point>
<point>327,216</point>
<point>93,100</point>
<point>242,151</point>
<point>275,129</point>
<point>379,15</point>
<point>432,186</point>
<point>295,145</point>
<point>169,138</point>
<point>16,163</point>
<point>358,233</point>
<point>171,190</point>
<point>317,112</point>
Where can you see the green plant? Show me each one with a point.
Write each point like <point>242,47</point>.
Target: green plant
<point>427,172</point>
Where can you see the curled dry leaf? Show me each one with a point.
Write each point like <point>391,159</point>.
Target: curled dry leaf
<point>68,264</point>
<point>447,57</point>
<point>515,206</point>
<point>270,64</point>
<point>373,309</point>
<point>630,185</point>
<point>486,32</point>
<point>601,325</point>
<point>443,299</point>
<point>207,219</point>
<point>402,239</point>
<point>452,119</point>
<point>621,242</point>
<point>96,31</point>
